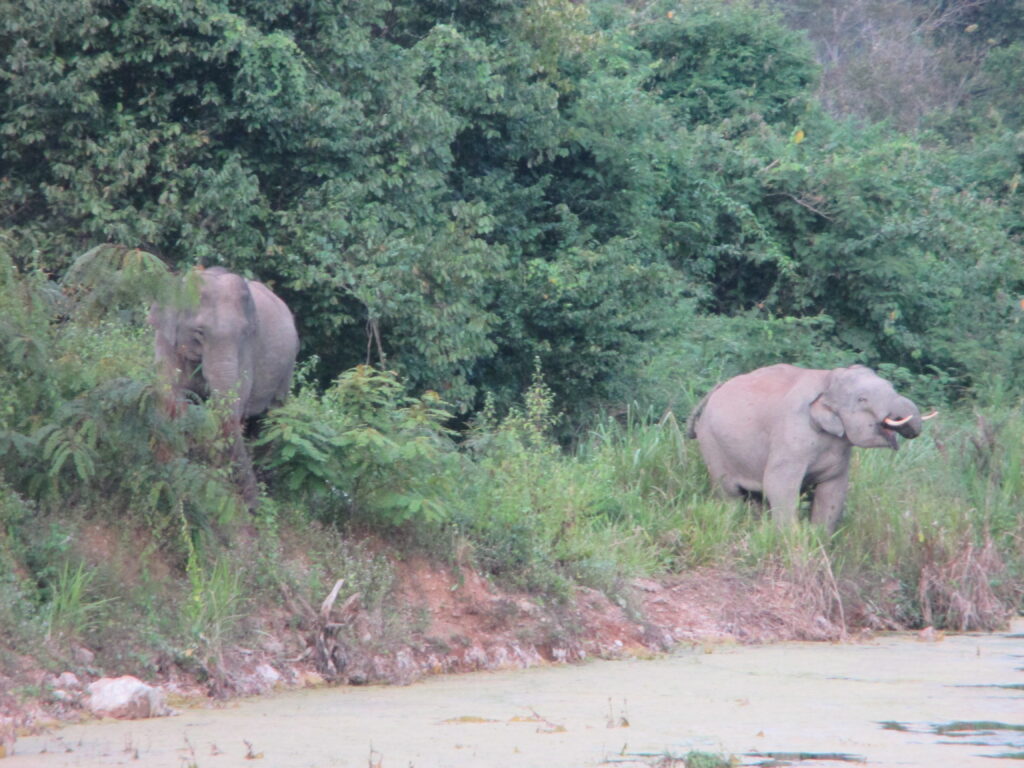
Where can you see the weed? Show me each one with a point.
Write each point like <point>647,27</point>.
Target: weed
<point>214,609</point>
<point>70,613</point>
<point>960,726</point>
<point>696,759</point>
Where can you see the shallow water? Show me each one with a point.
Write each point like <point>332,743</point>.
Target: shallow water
<point>892,701</point>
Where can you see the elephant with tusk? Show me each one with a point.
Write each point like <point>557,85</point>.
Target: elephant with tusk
<point>237,342</point>
<point>779,430</point>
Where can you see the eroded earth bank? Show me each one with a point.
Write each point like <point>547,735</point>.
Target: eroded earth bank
<point>454,621</point>
<point>440,619</point>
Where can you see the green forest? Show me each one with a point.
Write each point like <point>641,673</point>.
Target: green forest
<point>521,239</point>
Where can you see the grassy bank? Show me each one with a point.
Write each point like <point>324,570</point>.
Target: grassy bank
<point>933,533</point>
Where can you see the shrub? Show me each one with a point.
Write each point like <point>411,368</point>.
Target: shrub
<point>363,450</point>
<point>19,624</point>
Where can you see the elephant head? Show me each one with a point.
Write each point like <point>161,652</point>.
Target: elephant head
<point>861,406</point>
<point>236,338</point>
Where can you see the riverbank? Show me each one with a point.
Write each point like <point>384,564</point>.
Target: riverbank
<point>441,620</point>
<point>886,701</point>
<point>502,551</point>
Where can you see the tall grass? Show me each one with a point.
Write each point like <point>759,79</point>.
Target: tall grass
<point>660,472</point>
<point>933,533</point>
<point>72,610</point>
<point>214,609</point>
<point>940,525</point>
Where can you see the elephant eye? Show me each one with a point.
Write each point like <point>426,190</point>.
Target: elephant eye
<point>862,399</point>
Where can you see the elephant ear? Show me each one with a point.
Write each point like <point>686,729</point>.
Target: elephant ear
<point>825,417</point>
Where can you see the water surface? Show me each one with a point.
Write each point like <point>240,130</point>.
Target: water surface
<point>891,701</point>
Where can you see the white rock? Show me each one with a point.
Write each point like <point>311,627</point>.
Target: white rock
<point>127,698</point>
<point>268,675</point>
<point>68,681</point>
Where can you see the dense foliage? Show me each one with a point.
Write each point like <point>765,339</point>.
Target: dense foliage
<point>605,206</point>
<point>458,191</point>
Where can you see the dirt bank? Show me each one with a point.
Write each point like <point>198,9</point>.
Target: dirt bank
<point>455,620</point>
<point>469,625</point>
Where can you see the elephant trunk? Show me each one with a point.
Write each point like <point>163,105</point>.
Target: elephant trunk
<point>904,418</point>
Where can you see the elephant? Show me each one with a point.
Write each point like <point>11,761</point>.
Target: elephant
<point>782,429</point>
<point>238,342</point>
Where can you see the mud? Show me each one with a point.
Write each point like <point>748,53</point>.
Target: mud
<point>890,701</point>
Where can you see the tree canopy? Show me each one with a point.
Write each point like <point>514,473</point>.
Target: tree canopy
<point>460,190</point>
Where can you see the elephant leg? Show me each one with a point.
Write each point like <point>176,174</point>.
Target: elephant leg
<point>244,473</point>
<point>829,500</point>
<point>782,490</point>
<point>727,488</point>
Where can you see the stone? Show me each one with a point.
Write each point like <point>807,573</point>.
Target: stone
<point>68,681</point>
<point>83,655</point>
<point>269,676</point>
<point>126,698</point>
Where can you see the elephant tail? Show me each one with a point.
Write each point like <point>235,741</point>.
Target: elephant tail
<point>695,414</point>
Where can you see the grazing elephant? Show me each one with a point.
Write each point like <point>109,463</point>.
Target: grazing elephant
<point>238,342</point>
<point>782,429</point>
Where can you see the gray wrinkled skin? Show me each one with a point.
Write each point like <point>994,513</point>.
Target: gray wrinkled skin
<point>781,429</point>
<point>239,343</point>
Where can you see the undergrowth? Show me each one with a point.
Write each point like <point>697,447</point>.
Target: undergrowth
<point>121,530</point>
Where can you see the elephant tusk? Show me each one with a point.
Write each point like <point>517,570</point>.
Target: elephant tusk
<point>931,415</point>
<point>896,422</point>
